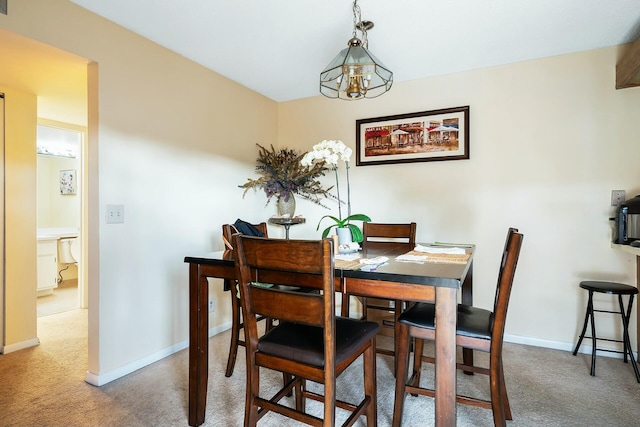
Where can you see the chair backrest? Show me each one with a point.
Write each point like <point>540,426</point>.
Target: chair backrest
<point>377,236</point>
<point>307,263</point>
<point>229,230</point>
<point>506,274</point>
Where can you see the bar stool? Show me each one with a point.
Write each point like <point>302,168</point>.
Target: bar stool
<point>611,288</point>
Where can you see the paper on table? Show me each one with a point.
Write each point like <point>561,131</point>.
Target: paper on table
<point>413,258</point>
<point>439,250</point>
<point>374,261</point>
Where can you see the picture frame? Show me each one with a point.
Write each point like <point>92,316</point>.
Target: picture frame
<point>415,137</point>
<point>67,182</point>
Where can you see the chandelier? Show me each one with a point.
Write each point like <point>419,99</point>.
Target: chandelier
<point>356,73</point>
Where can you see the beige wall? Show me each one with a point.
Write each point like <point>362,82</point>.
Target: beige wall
<point>20,219</point>
<point>549,141</point>
<point>170,141</point>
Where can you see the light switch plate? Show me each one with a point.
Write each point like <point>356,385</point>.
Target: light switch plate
<point>115,214</point>
<point>617,197</point>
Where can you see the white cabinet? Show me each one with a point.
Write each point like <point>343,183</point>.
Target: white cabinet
<point>47,266</point>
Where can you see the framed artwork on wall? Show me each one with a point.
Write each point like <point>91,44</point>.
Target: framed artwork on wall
<point>68,182</point>
<point>414,137</point>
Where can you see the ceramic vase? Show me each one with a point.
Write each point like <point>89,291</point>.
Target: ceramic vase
<point>344,235</point>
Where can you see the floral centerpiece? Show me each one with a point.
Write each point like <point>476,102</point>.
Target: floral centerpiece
<point>283,175</point>
<point>330,152</point>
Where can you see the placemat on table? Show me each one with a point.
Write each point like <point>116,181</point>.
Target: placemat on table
<point>442,258</point>
<point>348,265</point>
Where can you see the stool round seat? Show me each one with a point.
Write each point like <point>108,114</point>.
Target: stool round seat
<point>608,287</point>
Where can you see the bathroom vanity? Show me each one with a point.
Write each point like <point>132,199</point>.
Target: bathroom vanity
<point>48,257</point>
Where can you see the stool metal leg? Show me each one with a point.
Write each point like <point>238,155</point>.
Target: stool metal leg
<point>584,329</point>
<point>593,334</point>
<point>625,328</point>
<point>627,341</point>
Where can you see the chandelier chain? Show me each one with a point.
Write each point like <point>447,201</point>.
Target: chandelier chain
<point>357,24</point>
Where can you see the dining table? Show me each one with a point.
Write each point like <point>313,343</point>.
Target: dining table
<point>438,278</point>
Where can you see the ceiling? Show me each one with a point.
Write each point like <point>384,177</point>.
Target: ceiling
<point>279,47</point>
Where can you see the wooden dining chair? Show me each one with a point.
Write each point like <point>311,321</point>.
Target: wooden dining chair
<point>379,237</point>
<point>309,343</point>
<point>477,329</point>
<point>229,230</point>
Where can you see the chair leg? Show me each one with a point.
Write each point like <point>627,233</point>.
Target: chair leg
<point>253,391</point>
<point>235,332</point>
<point>369,362</point>
<point>344,309</point>
<point>364,308</point>
<point>505,397</point>
<point>402,365</point>
<point>418,350</point>
<point>496,384</point>
<point>300,389</point>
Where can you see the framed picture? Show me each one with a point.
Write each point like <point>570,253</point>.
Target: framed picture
<point>414,137</point>
<point>68,182</point>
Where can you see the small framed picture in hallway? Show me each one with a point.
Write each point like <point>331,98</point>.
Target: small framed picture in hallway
<point>68,182</point>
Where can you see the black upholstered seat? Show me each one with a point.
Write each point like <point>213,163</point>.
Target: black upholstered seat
<point>309,344</point>
<point>473,322</point>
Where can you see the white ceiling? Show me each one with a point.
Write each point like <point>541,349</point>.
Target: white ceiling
<point>279,47</point>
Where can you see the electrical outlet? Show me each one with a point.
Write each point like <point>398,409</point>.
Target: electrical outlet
<point>115,214</point>
<point>212,304</point>
<point>617,197</point>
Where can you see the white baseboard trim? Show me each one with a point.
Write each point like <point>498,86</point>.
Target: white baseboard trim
<point>561,345</point>
<point>19,346</point>
<point>102,379</point>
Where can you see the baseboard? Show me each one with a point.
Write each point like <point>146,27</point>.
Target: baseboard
<point>560,345</point>
<point>19,346</point>
<point>102,379</point>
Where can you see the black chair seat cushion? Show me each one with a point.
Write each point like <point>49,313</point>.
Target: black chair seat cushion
<point>304,343</point>
<point>472,321</point>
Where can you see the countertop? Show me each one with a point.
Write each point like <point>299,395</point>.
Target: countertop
<point>626,248</point>
<point>55,233</point>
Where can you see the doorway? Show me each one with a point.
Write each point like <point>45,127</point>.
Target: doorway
<point>58,81</point>
<point>60,264</point>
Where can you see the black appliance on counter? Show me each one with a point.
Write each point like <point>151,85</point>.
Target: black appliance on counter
<point>628,222</point>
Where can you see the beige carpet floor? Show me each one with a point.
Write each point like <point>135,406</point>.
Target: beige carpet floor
<point>44,386</point>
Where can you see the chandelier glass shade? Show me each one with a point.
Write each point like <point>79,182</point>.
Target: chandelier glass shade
<point>356,73</point>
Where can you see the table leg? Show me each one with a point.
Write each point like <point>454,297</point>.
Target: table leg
<point>467,299</point>
<point>198,344</point>
<point>446,317</point>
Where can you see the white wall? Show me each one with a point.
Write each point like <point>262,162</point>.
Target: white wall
<point>549,141</point>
